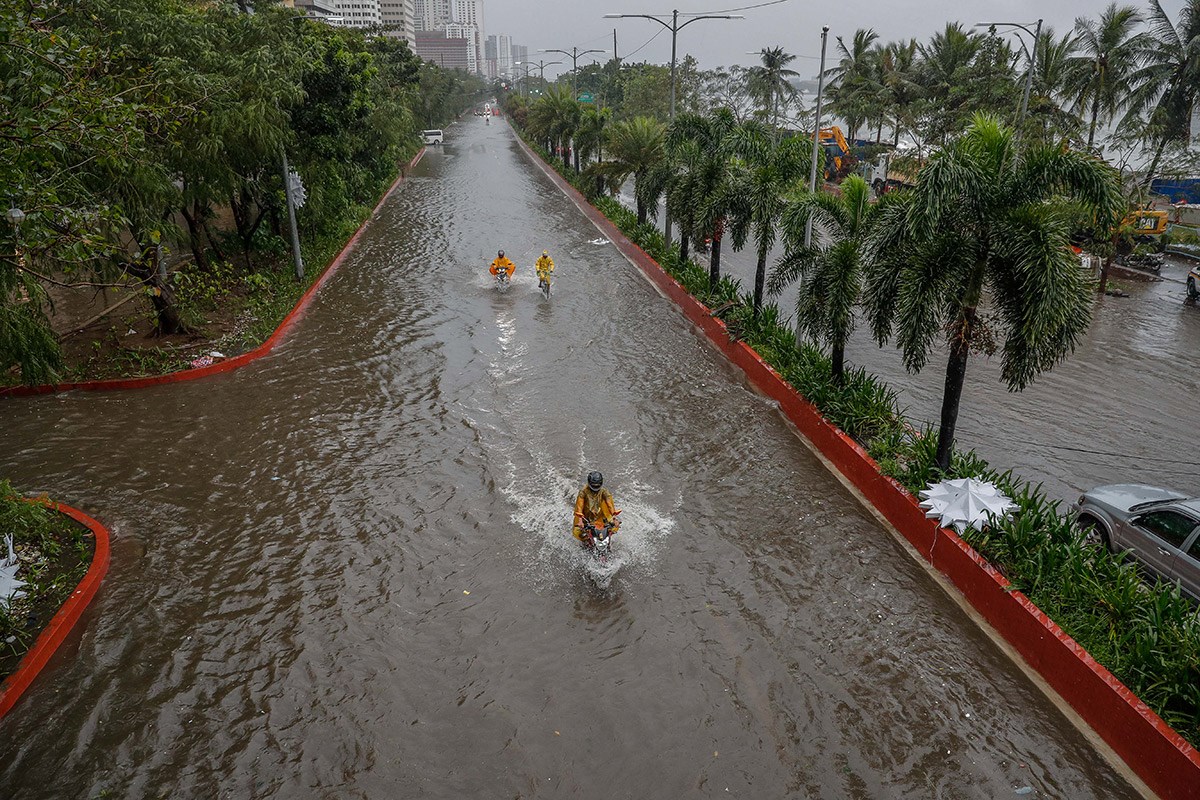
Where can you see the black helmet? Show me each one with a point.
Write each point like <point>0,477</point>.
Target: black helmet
<point>501,254</point>
<point>595,480</point>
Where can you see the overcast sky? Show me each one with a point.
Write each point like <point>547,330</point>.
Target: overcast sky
<point>794,25</point>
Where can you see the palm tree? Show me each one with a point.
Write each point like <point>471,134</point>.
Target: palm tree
<point>1050,82</point>
<point>771,80</point>
<point>833,265</point>
<point>987,214</point>
<point>1109,48</point>
<point>710,190</point>
<point>767,169</point>
<point>1165,87</point>
<point>852,80</point>
<point>635,146</point>
<point>944,60</point>
<point>589,138</point>
<point>901,89</point>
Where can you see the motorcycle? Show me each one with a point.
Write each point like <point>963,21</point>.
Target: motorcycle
<point>1147,261</point>
<point>502,280</point>
<point>597,539</point>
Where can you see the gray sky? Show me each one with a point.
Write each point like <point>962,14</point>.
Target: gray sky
<point>795,25</point>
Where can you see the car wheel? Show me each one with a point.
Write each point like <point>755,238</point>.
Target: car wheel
<point>1192,290</point>
<point>1094,533</point>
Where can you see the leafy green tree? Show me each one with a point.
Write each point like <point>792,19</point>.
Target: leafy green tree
<point>1108,51</point>
<point>1165,87</point>
<point>832,268</point>
<point>988,215</point>
<point>71,128</point>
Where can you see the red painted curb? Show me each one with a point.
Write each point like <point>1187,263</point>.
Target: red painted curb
<point>1162,758</point>
<point>230,363</point>
<point>61,624</point>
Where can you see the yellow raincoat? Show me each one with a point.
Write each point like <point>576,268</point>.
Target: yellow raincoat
<point>502,264</point>
<point>595,507</point>
<point>544,267</point>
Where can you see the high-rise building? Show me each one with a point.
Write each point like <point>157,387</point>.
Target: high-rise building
<point>431,15</point>
<point>520,54</point>
<point>399,20</point>
<point>358,13</point>
<point>461,19</point>
<point>504,59</point>
<point>445,51</point>
<point>471,35</point>
<point>322,10</point>
<point>490,62</point>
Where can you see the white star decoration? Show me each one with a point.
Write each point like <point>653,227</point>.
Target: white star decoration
<point>965,503</point>
<point>9,585</point>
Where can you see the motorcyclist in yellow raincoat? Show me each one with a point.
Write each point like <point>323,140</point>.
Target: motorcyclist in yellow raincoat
<point>502,264</point>
<point>594,504</point>
<point>544,267</point>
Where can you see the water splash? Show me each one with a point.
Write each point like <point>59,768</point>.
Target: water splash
<point>544,503</point>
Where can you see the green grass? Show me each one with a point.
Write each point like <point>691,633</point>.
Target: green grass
<point>1146,635</point>
<point>54,554</point>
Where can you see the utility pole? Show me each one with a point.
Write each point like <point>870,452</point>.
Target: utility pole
<point>674,27</point>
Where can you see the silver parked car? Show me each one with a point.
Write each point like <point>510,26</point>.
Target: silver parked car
<point>1158,527</point>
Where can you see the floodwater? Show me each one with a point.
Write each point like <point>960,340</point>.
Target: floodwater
<point>1121,409</point>
<point>345,571</point>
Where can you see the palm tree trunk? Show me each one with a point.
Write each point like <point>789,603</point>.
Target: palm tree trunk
<point>839,364</point>
<point>956,373</point>
<point>1154,164</point>
<point>714,264</point>
<point>641,212</point>
<point>685,236</point>
<point>1095,114</point>
<point>760,279</point>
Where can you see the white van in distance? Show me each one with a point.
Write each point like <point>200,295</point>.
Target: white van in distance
<point>432,137</point>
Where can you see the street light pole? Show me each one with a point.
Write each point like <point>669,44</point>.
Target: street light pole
<point>674,27</point>
<point>816,140</point>
<point>1037,32</point>
<point>574,53</point>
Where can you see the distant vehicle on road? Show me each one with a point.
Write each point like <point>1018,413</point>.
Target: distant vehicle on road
<point>432,136</point>
<point>1193,284</point>
<point>1160,528</point>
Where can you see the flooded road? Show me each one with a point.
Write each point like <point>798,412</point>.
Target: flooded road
<point>345,570</point>
<point>1121,409</point>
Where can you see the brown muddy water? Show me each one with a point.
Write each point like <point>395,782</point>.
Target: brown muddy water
<point>345,571</point>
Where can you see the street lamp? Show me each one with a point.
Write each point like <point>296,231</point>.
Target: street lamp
<point>674,27</point>
<point>16,216</point>
<point>541,67</point>
<point>1032,59</point>
<point>816,140</point>
<point>574,53</point>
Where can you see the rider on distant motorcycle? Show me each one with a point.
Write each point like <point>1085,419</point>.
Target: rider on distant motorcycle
<point>502,264</point>
<point>594,504</point>
<point>544,267</point>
